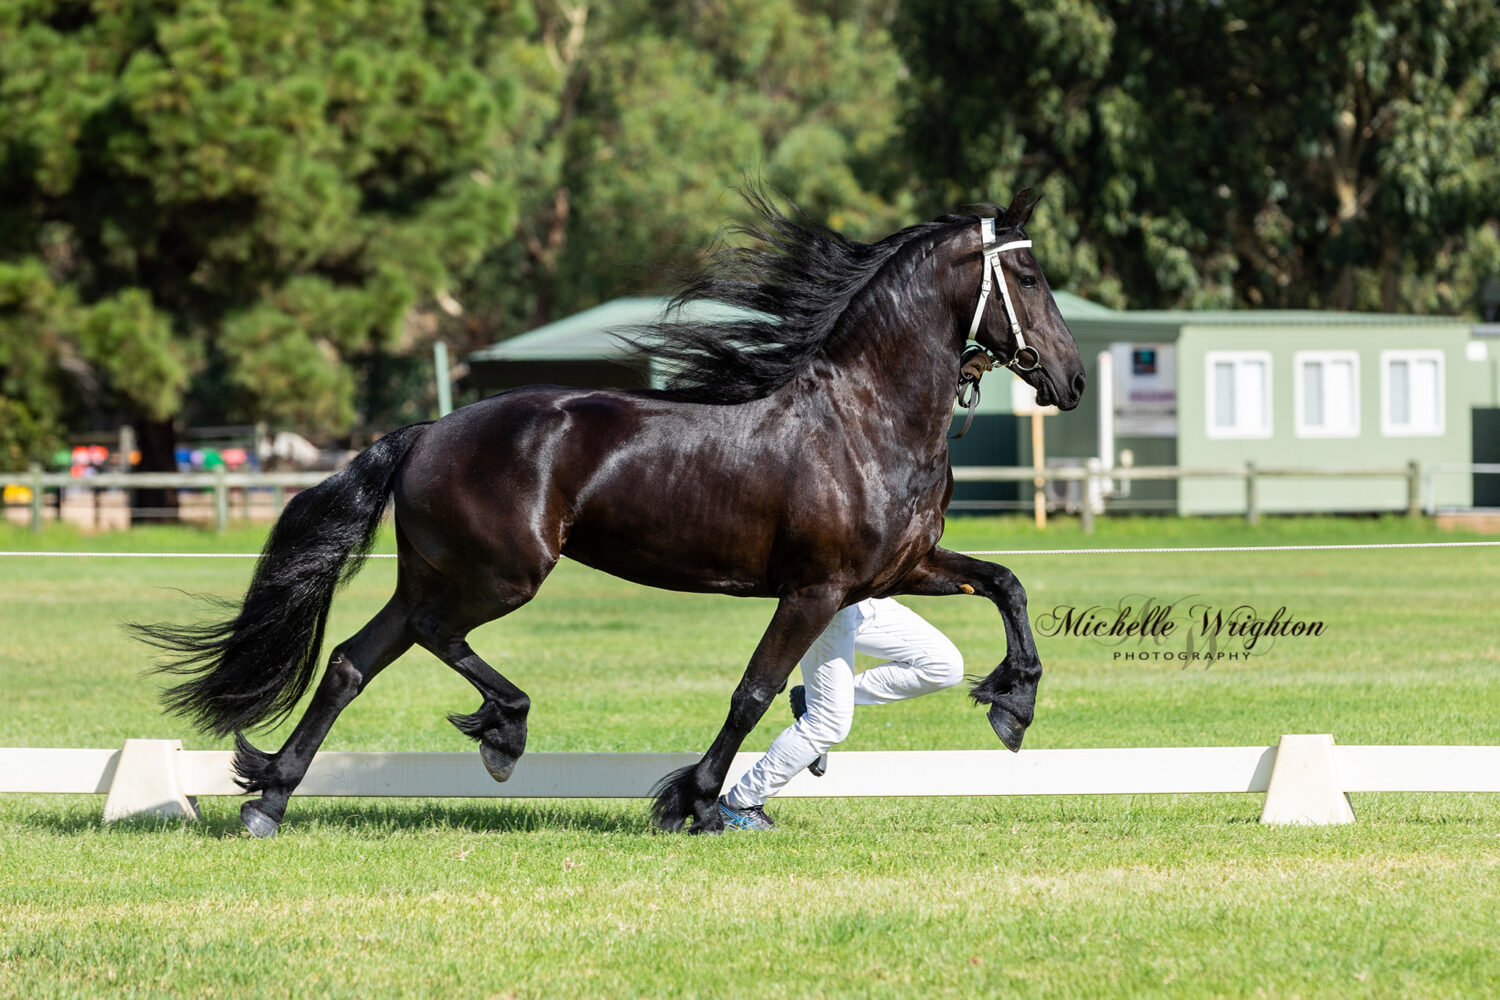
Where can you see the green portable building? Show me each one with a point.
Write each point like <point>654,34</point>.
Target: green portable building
<point>1199,390</point>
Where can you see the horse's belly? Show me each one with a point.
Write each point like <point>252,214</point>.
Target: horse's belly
<point>661,555</point>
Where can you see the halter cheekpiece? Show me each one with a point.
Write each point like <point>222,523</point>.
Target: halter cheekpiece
<point>1025,358</point>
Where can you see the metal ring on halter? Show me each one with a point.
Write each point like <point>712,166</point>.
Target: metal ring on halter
<point>1034,359</point>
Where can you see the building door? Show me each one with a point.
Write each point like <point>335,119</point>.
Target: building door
<point>993,440</point>
<point>1486,452</point>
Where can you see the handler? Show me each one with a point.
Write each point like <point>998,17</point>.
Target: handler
<point>920,660</point>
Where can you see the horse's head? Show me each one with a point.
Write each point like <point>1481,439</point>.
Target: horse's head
<point>1016,318</point>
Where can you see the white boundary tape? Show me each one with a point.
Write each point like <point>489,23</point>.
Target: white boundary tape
<point>974,552</point>
<point>159,555</point>
<point>1233,548</point>
<point>1306,779</point>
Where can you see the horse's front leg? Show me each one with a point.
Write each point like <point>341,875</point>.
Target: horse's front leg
<point>692,792</point>
<point>1010,689</point>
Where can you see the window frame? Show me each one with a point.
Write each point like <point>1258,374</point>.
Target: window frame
<point>1213,358</point>
<point>1299,383</point>
<point>1410,355</point>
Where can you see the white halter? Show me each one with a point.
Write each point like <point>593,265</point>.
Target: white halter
<point>992,274</point>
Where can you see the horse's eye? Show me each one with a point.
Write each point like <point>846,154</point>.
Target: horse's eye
<point>1028,281</point>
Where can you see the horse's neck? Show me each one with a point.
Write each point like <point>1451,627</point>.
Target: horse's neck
<point>897,359</point>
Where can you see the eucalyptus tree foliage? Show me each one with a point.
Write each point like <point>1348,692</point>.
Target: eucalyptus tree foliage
<point>220,203</point>
<point>636,120</point>
<point>1204,152</point>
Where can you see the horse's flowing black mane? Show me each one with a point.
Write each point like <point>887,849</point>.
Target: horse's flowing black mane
<point>799,275</point>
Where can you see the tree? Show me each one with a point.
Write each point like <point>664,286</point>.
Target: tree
<point>214,205</point>
<point>635,119</point>
<point>1345,155</point>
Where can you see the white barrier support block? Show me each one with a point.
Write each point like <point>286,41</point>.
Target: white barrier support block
<point>1305,785</point>
<point>146,783</point>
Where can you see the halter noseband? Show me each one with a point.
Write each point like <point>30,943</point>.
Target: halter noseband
<point>1025,358</point>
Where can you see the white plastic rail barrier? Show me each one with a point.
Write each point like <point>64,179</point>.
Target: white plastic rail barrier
<point>1306,778</point>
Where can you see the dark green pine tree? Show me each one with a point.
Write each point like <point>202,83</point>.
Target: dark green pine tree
<point>636,118</point>
<point>241,194</point>
<point>1224,152</point>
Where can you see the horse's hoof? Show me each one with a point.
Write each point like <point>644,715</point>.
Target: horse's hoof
<point>498,764</point>
<point>261,826</point>
<point>1007,727</point>
<point>710,825</point>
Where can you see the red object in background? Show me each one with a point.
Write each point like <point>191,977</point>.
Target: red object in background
<point>234,457</point>
<point>86,455</point>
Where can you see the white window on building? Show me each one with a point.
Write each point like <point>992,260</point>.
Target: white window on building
<point>1327,393</point>
<point>1238,394</point>
<point>1411,393</point>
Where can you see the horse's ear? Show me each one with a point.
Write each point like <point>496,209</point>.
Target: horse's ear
<point>1019,211</point>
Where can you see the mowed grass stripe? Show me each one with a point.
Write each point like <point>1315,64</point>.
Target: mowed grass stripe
<point>611,666</point>
<point>812,912</point>
<point>1067,897</point>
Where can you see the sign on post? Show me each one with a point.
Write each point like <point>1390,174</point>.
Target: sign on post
<point>1145,385</point>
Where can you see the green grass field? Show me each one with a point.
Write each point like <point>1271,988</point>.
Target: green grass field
<point>1056,897</point>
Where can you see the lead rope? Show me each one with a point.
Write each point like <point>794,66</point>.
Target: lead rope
<point>972,366</point>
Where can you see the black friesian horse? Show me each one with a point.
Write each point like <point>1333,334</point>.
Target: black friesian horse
<point>801,456</point>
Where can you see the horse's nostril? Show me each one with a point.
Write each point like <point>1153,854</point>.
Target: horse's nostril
<point>1078,382</point>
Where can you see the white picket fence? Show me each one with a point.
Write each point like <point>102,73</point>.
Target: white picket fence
<point>1306,778</point>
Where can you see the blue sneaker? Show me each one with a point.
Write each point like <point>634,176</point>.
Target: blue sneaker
<point>749,818</point>
<point>798,698</point>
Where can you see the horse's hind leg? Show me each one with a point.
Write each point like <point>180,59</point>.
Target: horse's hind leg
<point>353,664</point>
<point>500,723</point>
<point>461,573</point>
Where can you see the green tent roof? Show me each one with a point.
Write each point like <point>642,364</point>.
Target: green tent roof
<point>1077,307</point>
<point>589,335</point>
<point>1268,317</point>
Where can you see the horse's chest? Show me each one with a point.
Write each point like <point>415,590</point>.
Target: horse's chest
<point>921,534</point>
<point>900,518</point>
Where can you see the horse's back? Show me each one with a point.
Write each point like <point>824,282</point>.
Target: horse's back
<point>632,483</point>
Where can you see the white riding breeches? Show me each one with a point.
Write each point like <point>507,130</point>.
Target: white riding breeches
<point>919,660</point>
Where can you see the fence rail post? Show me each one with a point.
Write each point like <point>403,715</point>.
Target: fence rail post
<point>1038,465</point>
<point>1092,486</point>
<point>1414,488</point>
<point>1252,494</point>
<point>221,499</point>
<point>37,497</point>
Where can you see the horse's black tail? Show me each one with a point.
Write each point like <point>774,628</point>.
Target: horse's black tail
<point>252,667</point>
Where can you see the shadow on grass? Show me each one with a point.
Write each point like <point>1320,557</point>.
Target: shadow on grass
<point>479,816</point>
<point>373,817</point>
